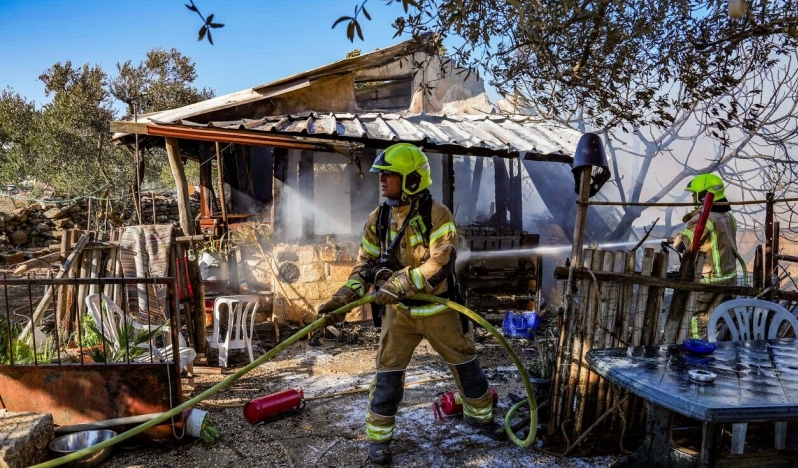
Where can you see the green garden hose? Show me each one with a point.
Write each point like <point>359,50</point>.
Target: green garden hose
<point>323,321</point>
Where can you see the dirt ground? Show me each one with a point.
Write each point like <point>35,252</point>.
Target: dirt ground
<point>329,432</point>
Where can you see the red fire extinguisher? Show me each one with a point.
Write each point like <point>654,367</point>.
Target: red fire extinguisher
<point>450,403</point>
<point>274,406</point>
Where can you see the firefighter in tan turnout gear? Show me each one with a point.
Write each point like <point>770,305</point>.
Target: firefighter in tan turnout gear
<point>408,247</point>
<point>719,243</point>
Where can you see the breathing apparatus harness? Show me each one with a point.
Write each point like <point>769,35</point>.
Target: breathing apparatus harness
<point>379,270</point>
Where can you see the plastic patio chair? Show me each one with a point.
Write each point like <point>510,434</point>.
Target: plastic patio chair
<point>240,310</point>
<point>109,322</point>
<point>752,319</point>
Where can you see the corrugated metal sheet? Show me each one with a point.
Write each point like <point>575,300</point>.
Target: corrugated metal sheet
<point>493,134</point>
<point>284,85</point>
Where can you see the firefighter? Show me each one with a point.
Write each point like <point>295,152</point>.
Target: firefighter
<point>410,240</point>
<point>718,243</point>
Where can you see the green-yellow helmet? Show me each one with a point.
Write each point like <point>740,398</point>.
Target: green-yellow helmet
<point>707,183</point>
<point>408,161</point>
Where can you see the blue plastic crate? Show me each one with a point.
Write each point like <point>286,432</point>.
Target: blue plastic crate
<point>520,324</point>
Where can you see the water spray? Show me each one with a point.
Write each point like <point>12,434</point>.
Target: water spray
<point>548,250</point>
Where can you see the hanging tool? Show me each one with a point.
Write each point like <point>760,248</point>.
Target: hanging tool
<point>706,207</point>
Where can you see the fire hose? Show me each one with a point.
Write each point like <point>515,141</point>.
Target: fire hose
<point>321,322</point>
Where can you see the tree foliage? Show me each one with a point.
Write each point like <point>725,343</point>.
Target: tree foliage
<point>162,81</point>
<point>612,62</point>
<point>66,143</point>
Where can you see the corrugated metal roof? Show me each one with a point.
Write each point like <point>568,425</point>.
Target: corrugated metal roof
<point>486,134</point>
<point>284,85</point>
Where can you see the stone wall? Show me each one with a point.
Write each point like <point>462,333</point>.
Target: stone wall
<point>309,275</point>
<point>38,225</point>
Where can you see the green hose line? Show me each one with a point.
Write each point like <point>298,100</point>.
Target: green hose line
<point>322,321</point>
<point>530,392</point>
<point>745,268</point>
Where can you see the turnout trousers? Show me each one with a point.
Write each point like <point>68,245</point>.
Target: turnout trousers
<point>399,337</point>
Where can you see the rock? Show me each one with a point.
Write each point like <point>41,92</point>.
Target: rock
<point>24,438</point>
<point>18,237</point>
<point>20,215</point>
<point>43,227</point>
<point>4,239</point>
<point>65,223</point>
<point>54,213</point>
<point>10,258</point>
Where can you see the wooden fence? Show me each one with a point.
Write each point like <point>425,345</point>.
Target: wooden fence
<point>616,306</point>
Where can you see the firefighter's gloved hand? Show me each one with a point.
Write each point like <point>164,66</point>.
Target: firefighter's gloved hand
<point>396,288</point>
<point>335,303</point>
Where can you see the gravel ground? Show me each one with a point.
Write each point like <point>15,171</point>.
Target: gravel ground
<point>329,432</point>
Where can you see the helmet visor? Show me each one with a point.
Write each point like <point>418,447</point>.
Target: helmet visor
<point>381,164</point>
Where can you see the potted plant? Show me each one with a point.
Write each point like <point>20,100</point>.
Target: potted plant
<point>213,254</point>
<point>541,371</point>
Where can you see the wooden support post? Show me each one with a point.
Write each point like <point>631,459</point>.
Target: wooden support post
<point>502,182</point>
<point>678,307</point>
<point>448,181</point>
<point>220,177</point>
<point>278,199</point>
<point>476,180</point>
<point>565,355</point>
<point>759,268</point>
<point>516,196</point>
<point>206,181</point>
<point>774,252</point>
<point>589,308</point>
<point>179,175</point>
<point>88,217</point>
<point>769,240</point>
<point>306,191</point>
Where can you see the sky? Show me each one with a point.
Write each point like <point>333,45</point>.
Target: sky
<point>261,41</point>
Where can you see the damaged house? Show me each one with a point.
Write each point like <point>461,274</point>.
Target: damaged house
<point>295,155</point>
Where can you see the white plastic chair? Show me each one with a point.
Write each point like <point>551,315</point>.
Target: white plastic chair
<point>752,319</point>
<point>237,336</point>
<point>109,323</point>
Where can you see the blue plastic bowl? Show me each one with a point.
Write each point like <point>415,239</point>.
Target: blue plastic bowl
<point>700,347</point>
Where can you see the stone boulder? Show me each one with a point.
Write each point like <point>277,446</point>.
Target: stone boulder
<point>18,237</point>
<point>24,438</point>
<point>54,214</point>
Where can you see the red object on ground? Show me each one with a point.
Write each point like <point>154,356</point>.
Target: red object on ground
<point>706,207</point>
<point>451,404</point>
<point>274,405</point>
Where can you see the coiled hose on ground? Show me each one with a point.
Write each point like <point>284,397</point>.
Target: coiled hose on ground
<point>323,321</point>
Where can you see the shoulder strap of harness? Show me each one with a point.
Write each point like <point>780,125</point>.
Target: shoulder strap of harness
<point>383,227</point>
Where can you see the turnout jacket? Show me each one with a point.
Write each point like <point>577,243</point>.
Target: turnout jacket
<point>719,243</point>
<point>428,266</point>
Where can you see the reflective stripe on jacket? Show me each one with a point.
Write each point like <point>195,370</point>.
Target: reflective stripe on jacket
<point>424,262</point>
<point>719,243</point>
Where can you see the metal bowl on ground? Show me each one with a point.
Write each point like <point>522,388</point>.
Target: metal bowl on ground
<point>70,443</point>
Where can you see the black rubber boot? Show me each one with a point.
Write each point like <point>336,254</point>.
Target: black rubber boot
<point>380,454</point>
<point>490,429</point>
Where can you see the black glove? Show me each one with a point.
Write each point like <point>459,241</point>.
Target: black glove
<point>335,303</point>
<point>397,287</point>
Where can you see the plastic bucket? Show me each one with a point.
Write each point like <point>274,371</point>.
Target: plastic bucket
<point>194,422</point>
<point>520,325</point>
